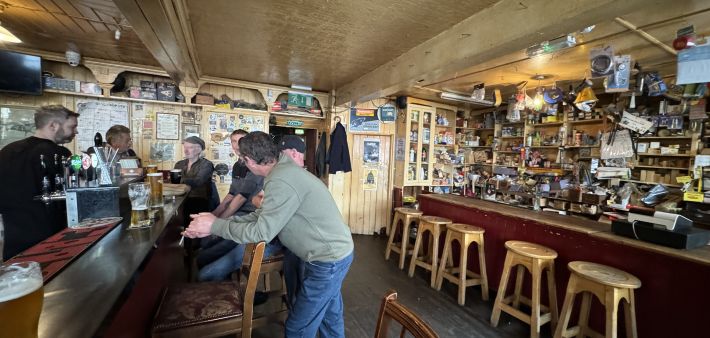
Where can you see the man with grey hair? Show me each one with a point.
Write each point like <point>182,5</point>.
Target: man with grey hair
<point>27,221</point>
<point>119,138</point>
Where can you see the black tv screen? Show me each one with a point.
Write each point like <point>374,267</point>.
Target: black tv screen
<point>20,73</point>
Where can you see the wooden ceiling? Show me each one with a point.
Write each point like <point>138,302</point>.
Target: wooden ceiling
<point>317,43</point>
<point>86,25</point>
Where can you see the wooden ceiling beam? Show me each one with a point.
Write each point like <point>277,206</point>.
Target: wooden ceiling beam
<point>163,27</point>
<point>504,28</point>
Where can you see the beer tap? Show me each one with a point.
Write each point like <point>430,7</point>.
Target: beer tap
<point>48,195</point>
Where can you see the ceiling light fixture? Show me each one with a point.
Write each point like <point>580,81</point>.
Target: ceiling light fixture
<point>6,35</point>
<point>466,99</point>
<point>551,46</point>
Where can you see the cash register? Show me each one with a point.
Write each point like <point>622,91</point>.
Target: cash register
<point>667,229</point>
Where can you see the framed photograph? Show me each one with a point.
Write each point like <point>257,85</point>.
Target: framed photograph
<point>642,147</point>
<point>189,129</point>
<point>167,127</point>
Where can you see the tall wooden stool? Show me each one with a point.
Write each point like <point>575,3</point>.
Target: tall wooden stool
<point>465,234</point>
<point>535,258</point>
<point>610,286</point>
<point>407,216</point>
<point>430,262</point>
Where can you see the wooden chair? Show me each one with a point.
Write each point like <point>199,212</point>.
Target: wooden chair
<point>392,309</point>
<point>465,234</point>
<point>212,309</point>
<point>407,216</point>
<point>536,259</point>
<point>611,286</point>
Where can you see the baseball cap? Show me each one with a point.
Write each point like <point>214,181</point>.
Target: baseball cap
<point>292,142</point>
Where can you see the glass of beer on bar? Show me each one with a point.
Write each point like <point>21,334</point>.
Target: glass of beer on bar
<point>21,297</point>
<point>151,169</point>
<point>156,189</point>
<point>139,194</point>
<point>175,176</point>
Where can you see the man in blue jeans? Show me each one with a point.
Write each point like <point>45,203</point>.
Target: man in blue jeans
<point>299,209</point>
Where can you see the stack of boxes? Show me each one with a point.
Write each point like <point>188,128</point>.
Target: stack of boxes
<point>161,91</point>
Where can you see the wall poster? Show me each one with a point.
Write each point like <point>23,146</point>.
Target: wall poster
<point>189,129</point>
<point>98,116</point>
<point>371,151</point>
<point>369,179</point>
<point>364,120</point>
<point>399,149</point>
<point>167,126</point>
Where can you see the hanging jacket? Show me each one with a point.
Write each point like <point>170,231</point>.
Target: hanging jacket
<point>321,156</point>
<point>339,155</point>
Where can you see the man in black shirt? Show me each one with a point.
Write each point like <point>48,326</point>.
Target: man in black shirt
<point>27,221</point>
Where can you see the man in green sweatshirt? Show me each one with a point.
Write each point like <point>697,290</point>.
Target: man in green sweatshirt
<point>299,209</point>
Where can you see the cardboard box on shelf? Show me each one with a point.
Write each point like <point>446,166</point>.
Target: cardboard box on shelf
<point>205,99</point>
<point>147,84</point>
<point>166,91</point>
<point>90,88</point>
<point>147,95</point>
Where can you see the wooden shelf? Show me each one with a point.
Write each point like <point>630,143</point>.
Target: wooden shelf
<point>549,124</point>
<point>507,166</point>
<point>509,137</point>
<point>444,126</point>
<point>659,167</point>
<point>120,98</point>
<point>586,121</point>
<point>443,145</point>
<point>646,182</point>
<point>575,147</point>
<point>665,137</point>
<point>481,129</point>
<point>659,155</point>
<point>489,147</point>
<point>507,151</point>
<point>545,147</point>
<point>512,123</point>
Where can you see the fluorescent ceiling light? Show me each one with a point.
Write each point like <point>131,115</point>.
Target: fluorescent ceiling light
<point>467,99</point>
<point>6,36</point>
<point>301,87</point>
<point>551,46</point>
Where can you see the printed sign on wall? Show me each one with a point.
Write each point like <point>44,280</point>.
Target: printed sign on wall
<point>364,120</point>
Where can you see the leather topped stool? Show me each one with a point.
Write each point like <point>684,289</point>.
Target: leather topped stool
<point>465,234</point>
<point>435,225</point>
<point>535,258</point>
<point>407,216</point>
<point>610,286</point>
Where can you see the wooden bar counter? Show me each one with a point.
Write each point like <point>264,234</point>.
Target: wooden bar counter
<point>80,297</point>
<point>673,300</point>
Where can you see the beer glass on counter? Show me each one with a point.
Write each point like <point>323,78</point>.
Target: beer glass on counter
<point>21,297</point>
<point>175,176</point>
<point>156,189</point>
<point>151,169</point>
<point>139,194</point>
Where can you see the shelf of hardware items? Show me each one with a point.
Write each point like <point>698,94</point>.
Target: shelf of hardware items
<point>443,145</point>
<point>665,137</point>
<point>511,123</point>
<point>487,147</point>
<point>586,121</point>
<point>666,155</point>
<point>509,137</point>
<point>507,166</point>
<point>481,129</point>
<point>507,151</point>
<point>576,147</point>
<point>647,182</point>
<point>474,163</point>
<point>660,167</point>
<point>120,98</point>
<point>544,147</point>
<point>444,126</point>
<point>548,124</point>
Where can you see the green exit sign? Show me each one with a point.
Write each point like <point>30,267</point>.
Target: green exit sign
<point>300,100</point>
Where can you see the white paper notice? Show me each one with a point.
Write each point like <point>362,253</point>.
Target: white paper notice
<point>635,123</point>
<point>168,127</point>
<point>98,116</point>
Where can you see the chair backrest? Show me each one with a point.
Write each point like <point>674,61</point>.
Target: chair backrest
<point>248,280</point>
<point>391,309</point>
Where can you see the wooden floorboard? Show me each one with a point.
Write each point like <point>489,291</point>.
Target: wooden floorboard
<point>371,276</point>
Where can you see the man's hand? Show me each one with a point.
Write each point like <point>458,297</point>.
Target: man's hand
<point>200,226</point>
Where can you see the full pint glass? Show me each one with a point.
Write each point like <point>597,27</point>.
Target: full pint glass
<point>21,296</point>
<point>139,194</point>
<point>156,189</point>
<point>151,168</point>
<point>175,176</point>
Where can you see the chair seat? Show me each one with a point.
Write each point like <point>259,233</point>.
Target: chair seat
<point>279,256</point>
<point>408,211</point>
<point>186,305</point>
<point>605,275</point>
<point>531,250</point>
<point>465,228</point>
<point>435,220</point>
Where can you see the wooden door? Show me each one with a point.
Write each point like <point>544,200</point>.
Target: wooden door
<point>369,184</point>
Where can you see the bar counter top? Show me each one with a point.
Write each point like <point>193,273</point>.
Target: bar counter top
<point>78,299</point>
<point>577,224</point>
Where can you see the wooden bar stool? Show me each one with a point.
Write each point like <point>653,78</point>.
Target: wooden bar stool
<point>465,234</point>
<point>407,216</point>
<point>535,258</point>
<point>430,262</point>
<point>610,286</point>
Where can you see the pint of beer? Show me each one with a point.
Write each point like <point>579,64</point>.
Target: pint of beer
<point>151,168</point>
<point>21,296</point>
<point>156,189</point>
<point>139,194</point>
<point>175,176</point>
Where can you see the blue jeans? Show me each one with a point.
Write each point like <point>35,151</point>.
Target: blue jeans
<point>318,305</point>
<point>223,267</point>
<point>213,248</point>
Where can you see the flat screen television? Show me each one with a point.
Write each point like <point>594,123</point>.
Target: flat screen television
<point>20,73</point>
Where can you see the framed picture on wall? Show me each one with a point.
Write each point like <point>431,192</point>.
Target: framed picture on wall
<point>167,126</point>
<point>189,129</point>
